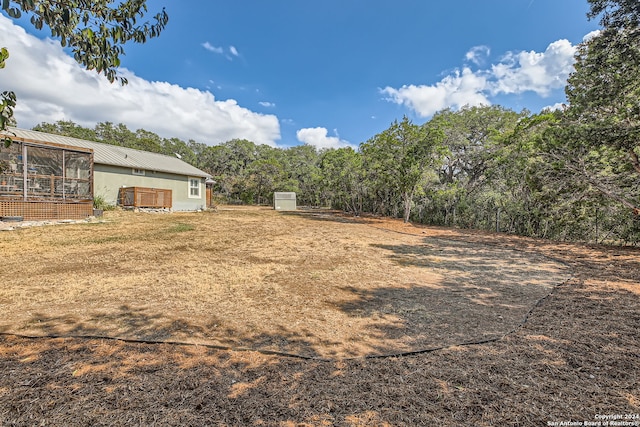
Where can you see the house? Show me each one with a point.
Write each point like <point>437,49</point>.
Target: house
<point>54,173</point>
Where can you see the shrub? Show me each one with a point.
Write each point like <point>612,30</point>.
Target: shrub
<point>100,203</point>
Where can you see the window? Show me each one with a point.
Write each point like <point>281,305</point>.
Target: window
<point>194,188</point>
<point>138,172</point>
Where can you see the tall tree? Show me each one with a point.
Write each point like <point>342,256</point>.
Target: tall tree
<point>471,141</point>
<point>343,178</point>
<point>398,157</point>
<point>178,148</point>
<point>303,173</point>
<point>263,178</point>
<point>561,184</point>
<point>615,13</point>
<point>228,163</point>
<point>604,104</point>
<point>7,101</point>
<point>112,134</point>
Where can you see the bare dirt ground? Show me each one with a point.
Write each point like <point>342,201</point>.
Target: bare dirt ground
<point>336,292</point>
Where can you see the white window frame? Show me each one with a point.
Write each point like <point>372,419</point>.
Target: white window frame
<point>139,172</point>
<point>190,187</point>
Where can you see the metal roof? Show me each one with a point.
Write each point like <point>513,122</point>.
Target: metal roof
<point>114,155</point>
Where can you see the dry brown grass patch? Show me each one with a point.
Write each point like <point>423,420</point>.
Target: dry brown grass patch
<point>309,283</point>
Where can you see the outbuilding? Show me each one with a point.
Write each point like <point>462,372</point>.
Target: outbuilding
<point>284,201</point>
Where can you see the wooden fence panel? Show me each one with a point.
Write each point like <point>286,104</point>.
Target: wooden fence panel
<point>143,197</point>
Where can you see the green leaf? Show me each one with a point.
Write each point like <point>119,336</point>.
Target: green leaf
<point>4,55</point>
<point>14,12</point>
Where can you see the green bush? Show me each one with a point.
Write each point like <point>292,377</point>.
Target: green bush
<point>100,203</point>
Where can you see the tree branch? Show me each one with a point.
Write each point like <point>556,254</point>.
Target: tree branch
<point>610,194</point>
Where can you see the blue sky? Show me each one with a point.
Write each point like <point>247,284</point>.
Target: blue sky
<point>286,72</point>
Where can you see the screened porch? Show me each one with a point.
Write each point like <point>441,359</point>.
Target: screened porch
<point>45,181</point>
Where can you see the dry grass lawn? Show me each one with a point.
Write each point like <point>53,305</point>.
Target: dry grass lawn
<point>308,283</point>
<point>259,287</point>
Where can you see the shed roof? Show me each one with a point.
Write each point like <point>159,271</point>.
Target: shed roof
<point>114,155</point>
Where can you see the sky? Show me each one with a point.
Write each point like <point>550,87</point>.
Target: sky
<point>330,73</point>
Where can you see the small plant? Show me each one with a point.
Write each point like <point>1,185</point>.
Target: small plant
<point>100,203</point>
<point>181,227</point>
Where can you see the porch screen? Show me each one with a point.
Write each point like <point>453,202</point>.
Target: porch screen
<point>30,172</point>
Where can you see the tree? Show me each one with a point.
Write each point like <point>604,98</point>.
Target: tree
<point>616,13</point>
<point>397,159</point>
<point>94,30</point>
<point>174,147</point>
<point>67,128</point>
<point>604,104</point>
<point>228,163</point>
<point>343,178</point>
<point>148,141</point>
<point>263,177</point>
<point>558,183</point>
<point>7,99</point>
<point>471,141</point>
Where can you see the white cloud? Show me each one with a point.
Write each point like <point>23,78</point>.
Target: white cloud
<point>212,48</point>
<point>318,138</point>
<point>478,54</point>
<point>533,71</point>
<point>267,104</point>
<point>516,73</point>
<point>557,106</point>
<point>233,51</point>
<point>51,86</point>
<point>456,90</point>
<point>592,34</point>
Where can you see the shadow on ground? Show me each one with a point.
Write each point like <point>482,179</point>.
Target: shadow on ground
<point>139,325</point>
<point>484,293</point>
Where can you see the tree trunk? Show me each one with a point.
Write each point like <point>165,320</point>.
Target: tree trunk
<point>408,198</point>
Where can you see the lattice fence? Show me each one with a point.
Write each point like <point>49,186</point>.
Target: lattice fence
<point>39,211</point>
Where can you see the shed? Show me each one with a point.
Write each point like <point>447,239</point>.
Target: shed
<point>284,201</point>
